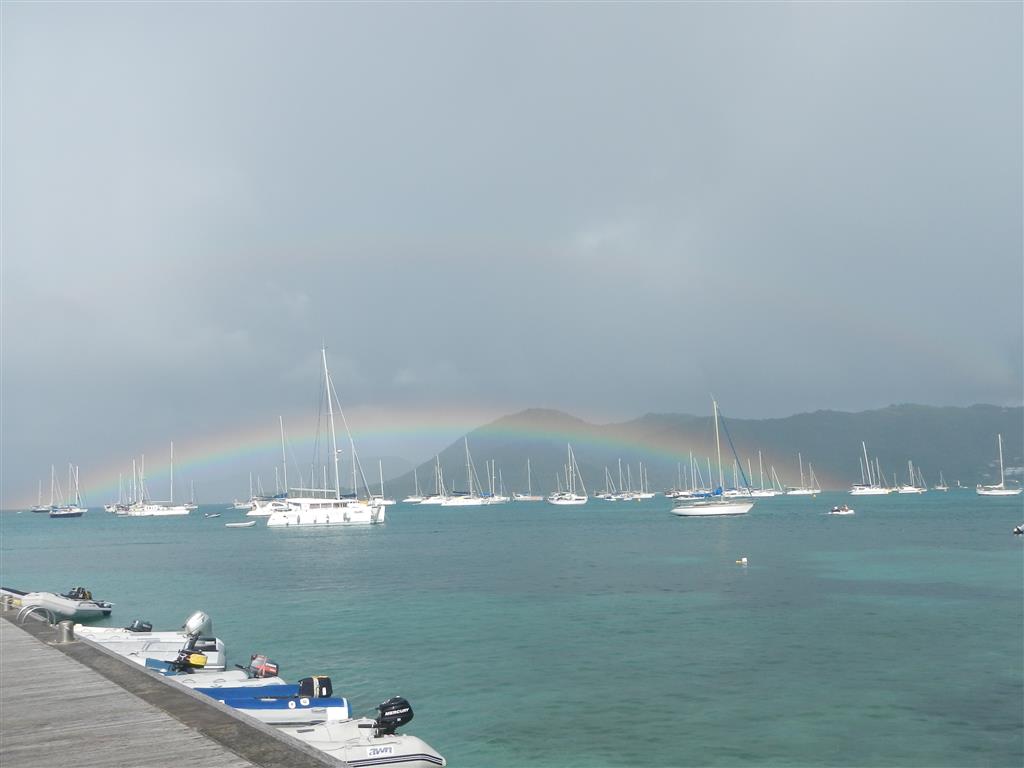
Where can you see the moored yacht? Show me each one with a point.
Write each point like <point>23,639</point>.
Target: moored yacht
<point>1001,489</point>
<point>714,505</point>
<point>326,506</point>
<point>571,496</point>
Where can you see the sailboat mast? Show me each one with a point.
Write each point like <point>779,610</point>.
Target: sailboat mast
<point>529,480</point>
<point>1001,480</point>
<point>718,448</point>
<point>866,462</point>
<point>334,436</point>
<point>284,456</point>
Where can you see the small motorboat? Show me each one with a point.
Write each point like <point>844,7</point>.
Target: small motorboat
<point>261,672</point>
<point>372,741</point>
<point>842,509</point>
<point>248,524</point>
<point>1018,530</point>
<point>309,702</point>
<point>209,515</point>
<point>138,642</point>
<point>76,604</point>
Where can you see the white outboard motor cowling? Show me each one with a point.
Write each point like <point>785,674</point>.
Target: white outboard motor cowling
<point>199,623</point>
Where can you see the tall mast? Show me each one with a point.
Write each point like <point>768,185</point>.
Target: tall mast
<point>469,469</point>
<point>867,463</point>
<point>529,480</point>
<point>801,460</point>
<point>334,437</point>
<point>172,474</point>
<point>53,481</point>
<point>1000,437</point>
<point>284,456</point>
<point>760,468</point>
<point>718,448</point>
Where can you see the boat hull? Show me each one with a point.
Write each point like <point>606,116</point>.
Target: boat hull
<point>312,515</point>
<point>355,743</point>
<point>301,710</point>
<point>983,491</point>
<point>713,509</point>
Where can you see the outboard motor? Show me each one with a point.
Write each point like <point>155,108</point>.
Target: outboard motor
<point>198,623</point>
<point>316,687</point>
<point>261,666</point>
<point>139,626</point>
<point>394,713</point>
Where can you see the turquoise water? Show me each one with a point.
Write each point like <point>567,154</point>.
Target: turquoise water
<point>609,635</point>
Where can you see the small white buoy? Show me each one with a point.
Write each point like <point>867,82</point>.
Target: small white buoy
<point>741,561</point>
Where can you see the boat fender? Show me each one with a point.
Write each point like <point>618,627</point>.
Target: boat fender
<point>291,704</point>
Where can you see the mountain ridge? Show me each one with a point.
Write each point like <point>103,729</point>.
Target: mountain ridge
<point>960,441</point>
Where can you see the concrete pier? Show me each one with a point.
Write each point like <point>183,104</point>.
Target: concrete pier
<point>78,704</point>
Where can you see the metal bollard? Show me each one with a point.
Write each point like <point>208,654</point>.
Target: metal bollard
<point>66,631</point>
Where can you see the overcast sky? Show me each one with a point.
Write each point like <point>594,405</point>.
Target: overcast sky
<point>606,209</point>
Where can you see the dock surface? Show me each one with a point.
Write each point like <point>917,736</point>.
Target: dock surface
<point>78,705</point>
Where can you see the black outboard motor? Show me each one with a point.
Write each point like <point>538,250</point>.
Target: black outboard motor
<point>394,713</point>
<point>139,626</point>
<point>316,687</point>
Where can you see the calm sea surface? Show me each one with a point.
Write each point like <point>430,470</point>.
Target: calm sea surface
<point>609,634</point>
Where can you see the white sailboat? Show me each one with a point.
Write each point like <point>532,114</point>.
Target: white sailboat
<point>942,483</point>
<point>417,497</point>
<point>440,492</point>
<point>529,495</point>
<point>471,498</point>
<point>144,507</point>
<point>1001,489</point>
<point>804,490</point>
<point>68,509</point>
<point>912,485</point>
<point>381,499</point>
<point>571,496</point>
<point>763,492</point>
<point>870,482</point>
<point>40,507</point>
<point>324,506</point>
<point>714,505</point>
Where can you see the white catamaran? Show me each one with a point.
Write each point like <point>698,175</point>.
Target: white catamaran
<point>325,506</point>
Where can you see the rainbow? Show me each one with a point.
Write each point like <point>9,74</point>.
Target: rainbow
<point>374,428</point>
